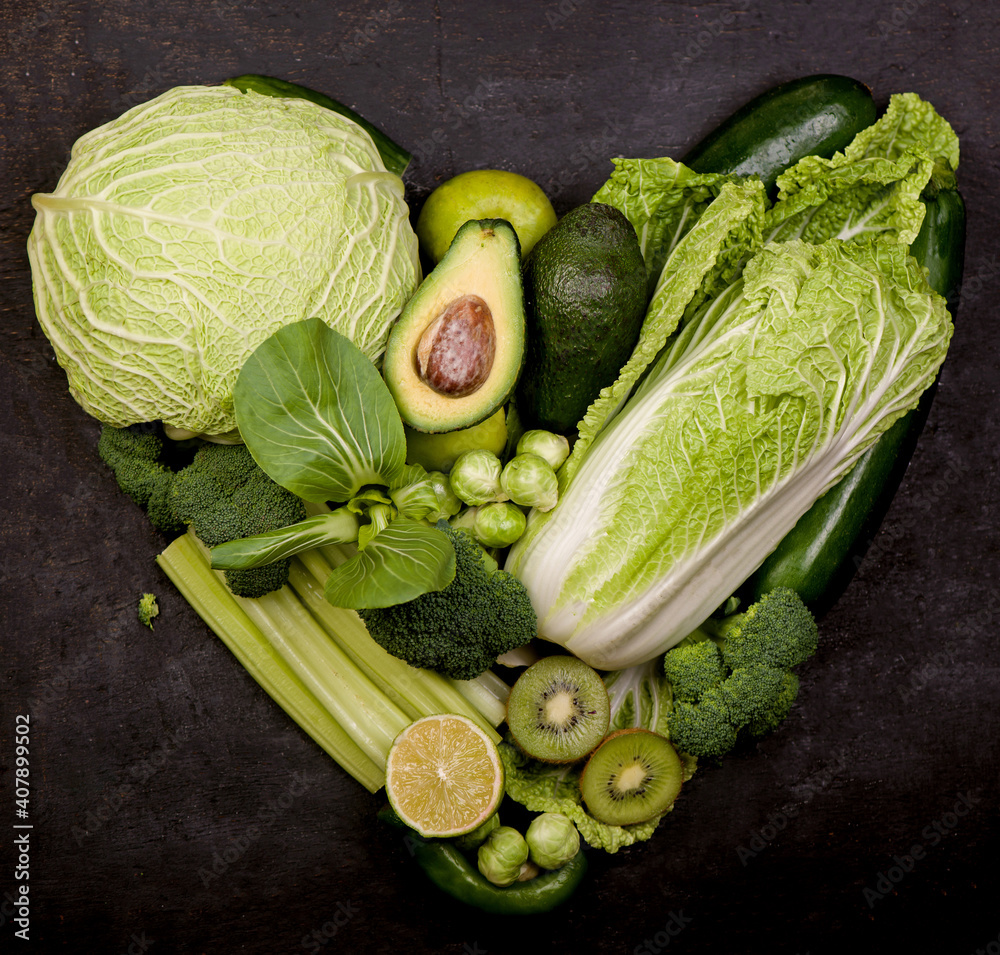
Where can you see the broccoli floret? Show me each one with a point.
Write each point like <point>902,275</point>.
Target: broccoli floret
<point>733,678</point>
<point>224,495</point>
<point>694,668</point>
<point>759,697</point>
<point>148,608</point>
<point>704,728</point>
<point>462,629</point>
<point>778,631</point>
<point>135,455</point>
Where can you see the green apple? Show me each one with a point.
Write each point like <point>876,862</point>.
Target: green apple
<point>483,194</point>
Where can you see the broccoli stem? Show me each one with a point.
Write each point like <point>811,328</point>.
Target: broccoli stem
<point>186,563</point>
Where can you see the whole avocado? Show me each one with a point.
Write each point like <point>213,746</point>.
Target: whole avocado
<point>585,300</point>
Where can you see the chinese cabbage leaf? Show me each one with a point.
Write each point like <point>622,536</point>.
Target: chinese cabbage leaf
<point>874,186</point>
<point>759,404</point>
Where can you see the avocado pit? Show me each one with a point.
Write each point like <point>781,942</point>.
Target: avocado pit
<point>455,353</point>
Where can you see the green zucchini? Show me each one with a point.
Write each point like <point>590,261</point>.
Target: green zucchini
<point>811,116</point>
<point>820,555</point>
<point>394,157</point>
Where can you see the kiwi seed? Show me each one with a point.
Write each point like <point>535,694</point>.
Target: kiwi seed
<point>558,709</point>
<point>633,776</point>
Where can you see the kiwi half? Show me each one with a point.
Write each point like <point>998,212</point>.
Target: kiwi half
<point>558,709</point>
<point>633,776</point>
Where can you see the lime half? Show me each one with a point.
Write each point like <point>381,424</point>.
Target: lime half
<point>444,776</point>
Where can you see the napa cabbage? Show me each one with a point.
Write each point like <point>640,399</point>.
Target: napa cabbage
<point>185,232</point>
<point>777,347</point>
<point>758,405</point>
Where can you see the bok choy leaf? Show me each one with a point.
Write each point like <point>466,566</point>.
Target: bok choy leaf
<point>319,420</point>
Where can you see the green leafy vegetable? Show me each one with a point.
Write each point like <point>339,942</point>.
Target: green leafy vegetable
<point>187,230</point>
<point>319,420</point>
<point>317,416</point>
<point>874,186</point>
<point>401,562</point>
<point>640,697</point>
<point>337,527</point>
<point>908,121</point>
<point>713,247</point>
<point>663,199</point>
<point>396,158</point>
<point>762,402</point>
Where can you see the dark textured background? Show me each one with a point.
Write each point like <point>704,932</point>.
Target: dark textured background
<point>154,751</point>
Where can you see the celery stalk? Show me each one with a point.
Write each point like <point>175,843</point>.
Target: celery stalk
<point>186,563</point>
<point>370,717</point>
<point>418,691</point>
<point>487,693</point>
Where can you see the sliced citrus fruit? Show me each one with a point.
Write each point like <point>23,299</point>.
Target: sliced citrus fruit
<point>444,776</point>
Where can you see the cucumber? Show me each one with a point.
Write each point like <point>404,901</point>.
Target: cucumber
<point>394,157</point>
<point>821,554</point>
<point>811,116</point>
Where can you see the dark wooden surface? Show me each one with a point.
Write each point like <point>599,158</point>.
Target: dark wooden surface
<point>154,754</point>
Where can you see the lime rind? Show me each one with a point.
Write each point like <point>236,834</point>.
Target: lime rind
<point>444,776</point>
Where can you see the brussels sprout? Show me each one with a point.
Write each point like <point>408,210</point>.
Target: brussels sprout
<point>475,478</point>
<point>465,521</point>
<point>498,525</point>
<point>554,448</point>
<point>448,505</point>
<point>528,872</point>
<point>502,855</point>
<point>529,480</point>
<point>552,840</point>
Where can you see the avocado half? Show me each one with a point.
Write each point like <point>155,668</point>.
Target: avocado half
<point>454,355</point>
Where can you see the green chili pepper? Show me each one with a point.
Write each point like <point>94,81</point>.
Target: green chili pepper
<point>448,868</point>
